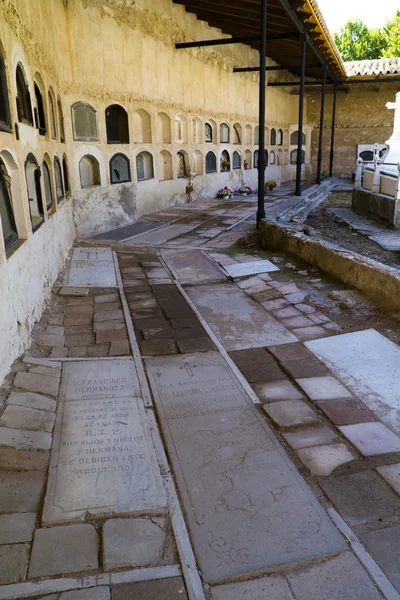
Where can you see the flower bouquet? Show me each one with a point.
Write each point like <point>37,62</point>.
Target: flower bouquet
<point>225,193</point>
<point>245,190</point>
<point>271,184</point>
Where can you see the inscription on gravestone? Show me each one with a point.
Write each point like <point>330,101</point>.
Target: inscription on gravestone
<point>92,267</point>
<point>247,508</point>
<point>102,461</point>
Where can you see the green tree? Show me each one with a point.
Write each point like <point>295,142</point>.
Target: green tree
<point>391,32</point>
<point>356,42</point>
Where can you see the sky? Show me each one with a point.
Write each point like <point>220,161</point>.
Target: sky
<point>373,13</point>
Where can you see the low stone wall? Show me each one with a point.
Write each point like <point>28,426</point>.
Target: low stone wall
<point>375,205</point>
<point>379,282</point>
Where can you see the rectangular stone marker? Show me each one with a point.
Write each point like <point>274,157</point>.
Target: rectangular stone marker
<point>92,267</point>
<point>238,321</point>
<point>192,266</point>
<point>247,507</point>
<point>369,365</point>
<point>102,461</point>
<point>251,268</point>
<point>159,236</point>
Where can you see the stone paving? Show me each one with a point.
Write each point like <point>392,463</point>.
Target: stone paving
<point>264,433</point>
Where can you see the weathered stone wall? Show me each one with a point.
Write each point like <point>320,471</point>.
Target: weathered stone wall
<point>361,118</point>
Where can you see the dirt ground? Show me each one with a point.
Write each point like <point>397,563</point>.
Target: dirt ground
<point>343,234</point>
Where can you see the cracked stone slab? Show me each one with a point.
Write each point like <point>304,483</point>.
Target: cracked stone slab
<point>237,320</point>
<point>102,460</point>
<point>33,382</point>
<point>21,417</point>
<point>323,460</point>
<point>132,543</point>
<point>64,549</point>
<point>266,588</point>
<point>228,463</point>
<point>25,440</point>
<point>368,364</point>
<point>17,527</point>
<point>92,267</point>
<point>391,474</point>
<point>250,268</point>
<point>32,400</point>
<point>343,576</point>
<point>371,438</point>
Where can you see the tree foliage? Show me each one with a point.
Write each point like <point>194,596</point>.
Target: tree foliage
<point>357,42</point>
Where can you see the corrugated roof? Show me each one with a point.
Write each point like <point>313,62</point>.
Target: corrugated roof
<point>365,68</point>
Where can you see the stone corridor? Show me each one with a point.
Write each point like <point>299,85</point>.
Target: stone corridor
<point>198,421</point>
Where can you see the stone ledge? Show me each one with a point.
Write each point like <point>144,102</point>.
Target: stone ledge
<point>378,281</point>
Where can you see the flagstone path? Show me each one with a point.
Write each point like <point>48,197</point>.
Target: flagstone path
<point>176,432</point>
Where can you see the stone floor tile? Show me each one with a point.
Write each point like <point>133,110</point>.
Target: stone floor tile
<point>384,547</point>
<point>345,412</point>
<point>340,578</point>
<point>13,562</point>
<point>120,348</point>
<point>17,528</point>
<point>145,303</point>
<point>24,439</point>
<point>49,339</point>
<point>55,319</point>
<point>44,362</point>
<point>43,384</point>
<point>266,588</point>
<point>296,297</point>
<point>323,388</point>
<point>160,333</point>
<point>158,347</point>
<point>64,549</point>
<point>15,459</point>
<point>305,308</point>
<point>58,352</point>
<point>20,492</point>
<point>295,351</point>
<point>323,460</point>
<point>184,322</point>
<point>138,286</point>
<point>318,318</point>
<point>265,276</point>
<point>197,344</point>
<point>73,291</point>
<point>95,593</point>
<point>77,352</point>
<point>361,497</point>
<point>21,417</point>
<point>55,329</point>
<point>80,301</point>
<point>311,436</point>
<point>132,543</point>
<point>113,325</point>
<point>107,306</point>
<point>246,283</point>
<point>257,365</point>
<point>301,321</point>
<point>286,313</point>
<point>290,413</point>
<point>371,438</point>
<point>46,371</point>
<point>108,315</point>
<point>275,304</point>
<point>263,295</point>
<point>276,391</point>
<point>162,589</point>
<point>32,400</point>
<point>190,332</point>
<point>147,313</point>
<point>305,367</point>
<point>102,298</point>
<point>288,288</point>
<point>79,339</point>
<point>111,336</point>
<point>98,350</point>
<point>391,474</point>
<point>159,281</point>
<point>332,326</point>
<point>143,324</point>
<point>309,333</point>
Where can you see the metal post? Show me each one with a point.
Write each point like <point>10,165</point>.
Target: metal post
<point>332,154</point>
<point>321,127</point>
<point>261,119</point>
<point>301,108</point>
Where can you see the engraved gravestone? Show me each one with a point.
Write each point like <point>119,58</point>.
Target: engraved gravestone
<point>192,266</point>
<point>246,505</point>
<point>102,461</point>
<point>251,268</point>
<point>92,267</point>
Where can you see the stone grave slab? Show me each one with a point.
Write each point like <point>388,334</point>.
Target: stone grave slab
<point>266,588</point>
<point>247,507</point>
<point>192,266</point>
<point>389,240</point>
<point>92,267</point>
<point>251,268</point>
<point>122,233</point>
<point>102,461</point>
<point>238,321</point>
<point>369,365</point>
<point>158,236</point>
<point>384,547</point>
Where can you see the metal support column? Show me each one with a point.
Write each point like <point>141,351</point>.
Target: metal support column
<point>301,110</point>
<point>321,127</point>
<point>261,119</point>
<point>332,154</point>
